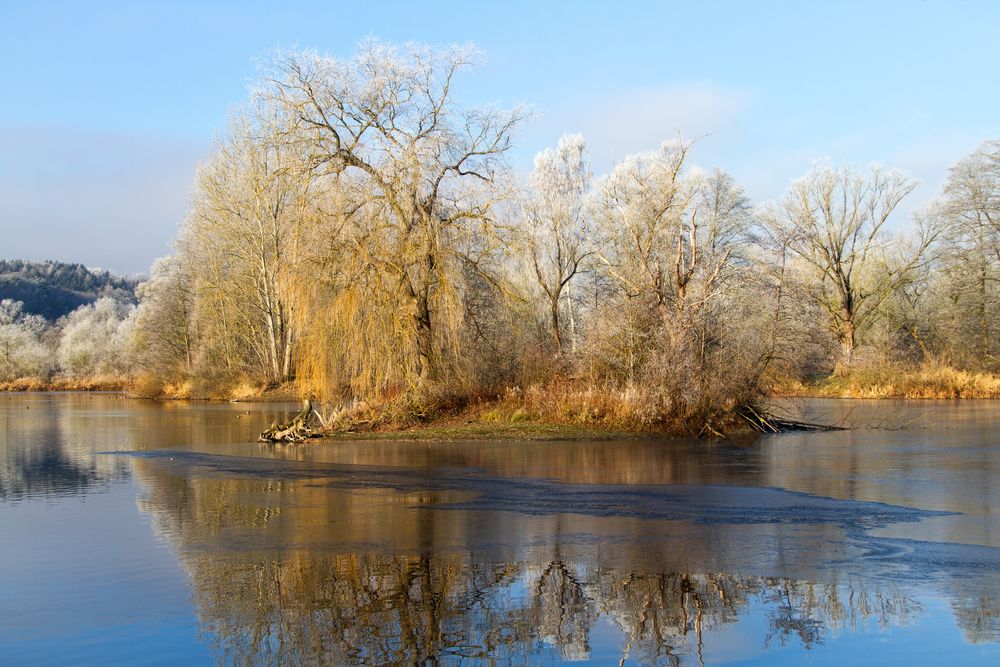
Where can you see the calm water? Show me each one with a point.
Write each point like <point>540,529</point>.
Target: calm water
<point>139,532</point>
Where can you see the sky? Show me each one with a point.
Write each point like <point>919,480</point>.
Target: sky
<point>106,108</point>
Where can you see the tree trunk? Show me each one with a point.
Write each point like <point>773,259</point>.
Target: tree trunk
<point>426,367</point>
<point>984,326</point>
<point>272,346</point>
<point>915,334</point>
<point>572,319</point>
<point>554,321</point>
<point>286,363</point>
<point>847,343</point>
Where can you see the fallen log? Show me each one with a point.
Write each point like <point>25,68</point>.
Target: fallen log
<point>763,422</point>
<point>296,430</point>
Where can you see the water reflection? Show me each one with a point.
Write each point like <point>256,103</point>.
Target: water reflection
<point>318,562</point>
<point>48,441</point>
<point>39,456</point>
<point>396,553</point>
<point>393,609</point>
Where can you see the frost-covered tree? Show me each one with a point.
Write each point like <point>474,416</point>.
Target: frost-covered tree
<point>11,311</point>
<point>833,221</point>
<point>670,236</point>
<point>970,210</point>
<point>95,339</point>
<point>415,173</point>
<point>23,352</point>
<point>556,225</point>
<point>165,333</point>
<point>673,246</point>
<point>236,245</point>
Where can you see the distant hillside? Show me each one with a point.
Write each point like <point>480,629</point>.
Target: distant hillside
<point>53,289</point>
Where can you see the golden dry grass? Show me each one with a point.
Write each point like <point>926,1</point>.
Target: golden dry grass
<point>104,383</point>
<point>217,390</point>
<point>561,404</point>
<point>146,385</point>
<point>926,381</point>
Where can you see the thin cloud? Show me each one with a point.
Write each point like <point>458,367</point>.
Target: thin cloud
<point>621,122</point>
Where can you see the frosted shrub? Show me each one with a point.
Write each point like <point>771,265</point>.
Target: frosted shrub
<point>95,339</point>
<point>22,350</point>
<point>22,353</point>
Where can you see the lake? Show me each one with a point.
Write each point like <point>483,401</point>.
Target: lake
<point>143,532</point>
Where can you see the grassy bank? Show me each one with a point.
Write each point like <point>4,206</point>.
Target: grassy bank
<point>143,388</point>
<point>211,391</point>
<point>65,384</point>
<point>551,412</point>
<point>561,410</point>
<point>554,410</point>
<point>449,430</point>
<point>922,382</point>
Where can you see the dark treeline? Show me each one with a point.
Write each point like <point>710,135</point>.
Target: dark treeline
<point>358,232</point>
<point>54,289</point>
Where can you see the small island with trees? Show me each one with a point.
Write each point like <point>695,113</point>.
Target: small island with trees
<point>358,238</point>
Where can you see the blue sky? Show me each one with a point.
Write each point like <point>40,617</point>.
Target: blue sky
<point>107,107</point>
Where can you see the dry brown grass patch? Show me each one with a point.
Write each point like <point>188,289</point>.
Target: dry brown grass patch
<point>928,381</point>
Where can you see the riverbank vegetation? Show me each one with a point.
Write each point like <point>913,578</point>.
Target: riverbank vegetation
<point>358,234</point>
<point>927,380</point>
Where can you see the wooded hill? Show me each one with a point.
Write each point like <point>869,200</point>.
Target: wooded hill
<point>54,289</point>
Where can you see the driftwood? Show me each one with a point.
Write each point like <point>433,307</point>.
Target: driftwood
<point>763,422</point>
<point>296,430</point>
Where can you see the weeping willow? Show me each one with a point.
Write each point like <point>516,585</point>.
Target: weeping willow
<point>358,321</point>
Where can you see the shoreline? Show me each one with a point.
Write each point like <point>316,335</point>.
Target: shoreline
<point>283,394</point>
<point>539,431</point>
<point>929,383</point>
<point>129,389</point>
<point>493,420</point>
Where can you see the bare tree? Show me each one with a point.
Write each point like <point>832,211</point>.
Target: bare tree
<point>970,207</point>
<point>237,239</point>
<point>385,122</point>
<point>165,334</point>
<point>645,228</point>
<point>833,220</point>
<point>95,338</point>
<point>556,223</point>
<point>668,237</point>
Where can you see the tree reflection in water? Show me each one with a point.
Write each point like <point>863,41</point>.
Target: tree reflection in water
<point>293,571</point>
<point>647,551</point>
<point>398,609</point>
